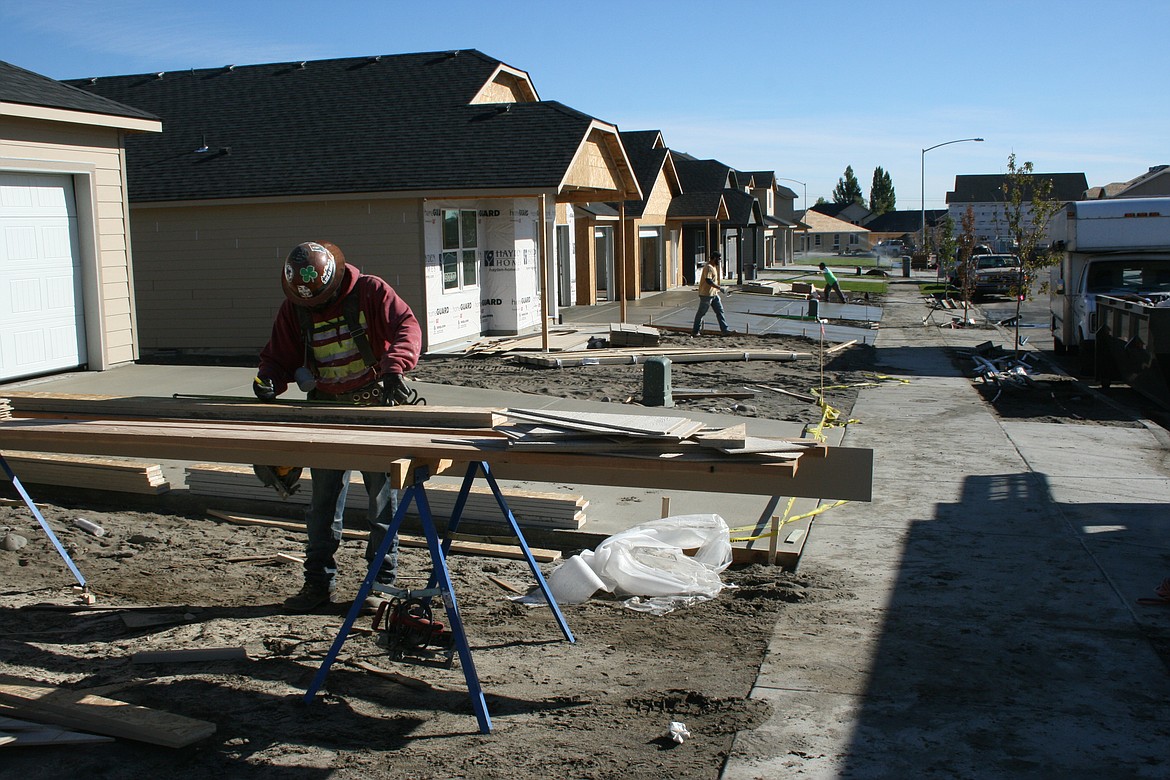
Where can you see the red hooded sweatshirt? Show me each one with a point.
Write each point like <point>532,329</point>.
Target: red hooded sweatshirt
<point>394,334</point>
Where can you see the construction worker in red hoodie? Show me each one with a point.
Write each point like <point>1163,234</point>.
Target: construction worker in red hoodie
<point>347,338</point>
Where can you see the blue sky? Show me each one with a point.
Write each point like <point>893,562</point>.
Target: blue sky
<point>802,89</point>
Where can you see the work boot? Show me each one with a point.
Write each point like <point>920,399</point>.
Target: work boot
<point>372,603</point>
<point>311,596</point>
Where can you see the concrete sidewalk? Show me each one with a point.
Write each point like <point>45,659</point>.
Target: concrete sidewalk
<point>994,631</point>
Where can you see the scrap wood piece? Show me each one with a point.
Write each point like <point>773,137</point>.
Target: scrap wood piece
<point>510,552</point>
<point>89,712</point>
<point>26,733</point>
<point>629,424</point>
<point>692,395</point>
<point>756,445</point>
<point>505,584</point>
<point>839,347</point>
<point>192,655</point>
<point>732,437</point>
<point>799,396</point>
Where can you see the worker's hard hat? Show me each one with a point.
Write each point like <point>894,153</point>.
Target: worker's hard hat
<point>312,273</point>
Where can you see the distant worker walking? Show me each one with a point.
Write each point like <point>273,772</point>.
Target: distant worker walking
<point>831,284</point>
<point>709,289</point>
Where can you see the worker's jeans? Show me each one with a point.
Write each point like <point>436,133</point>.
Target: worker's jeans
<point>709,302</point>
<point>324,520</point>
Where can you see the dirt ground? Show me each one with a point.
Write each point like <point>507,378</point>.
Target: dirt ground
<point>597,708</point>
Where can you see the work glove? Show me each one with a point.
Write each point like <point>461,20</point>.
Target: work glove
<point>263,389</point>
<point>394,390</point>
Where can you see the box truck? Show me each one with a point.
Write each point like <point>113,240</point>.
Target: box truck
<point>1118,248</point>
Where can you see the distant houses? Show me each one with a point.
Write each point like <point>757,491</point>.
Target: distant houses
<point>151,212</point>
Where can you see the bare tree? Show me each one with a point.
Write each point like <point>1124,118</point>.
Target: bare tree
<point>1028,206</point>
<point>966,266</point>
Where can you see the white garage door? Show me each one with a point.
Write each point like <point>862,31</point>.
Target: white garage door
<point>42,325</point>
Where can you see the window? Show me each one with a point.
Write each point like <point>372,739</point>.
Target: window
<point>460,240</point>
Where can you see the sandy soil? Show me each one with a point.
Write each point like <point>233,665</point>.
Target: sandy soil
<point>597,708</point>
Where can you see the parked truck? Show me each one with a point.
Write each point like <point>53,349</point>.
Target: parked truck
<point>1111,288</point>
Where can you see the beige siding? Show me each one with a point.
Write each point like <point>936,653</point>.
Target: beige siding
<point>93,155</point>
<point>207,277</point>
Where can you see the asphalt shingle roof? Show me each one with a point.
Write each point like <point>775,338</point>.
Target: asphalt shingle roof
<point>904,221</point>
<point>988,187</point>
<point>394,123</point>
<point>24,87</point>
<point>702,175</point>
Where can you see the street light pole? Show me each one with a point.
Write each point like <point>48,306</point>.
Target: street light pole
<point>922,175</point>
<point>803,202</point>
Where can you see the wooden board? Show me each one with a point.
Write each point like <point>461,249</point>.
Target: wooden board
<point>627,424</point>
<point>25,733</point>
<point>459,546</point>
<point>82,471</point>
<point>203,408</point>
<point>77,709</point>
<point>598,357</point>
<point>532,509</point>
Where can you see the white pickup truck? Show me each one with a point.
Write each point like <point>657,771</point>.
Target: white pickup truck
<point>1116,247</point>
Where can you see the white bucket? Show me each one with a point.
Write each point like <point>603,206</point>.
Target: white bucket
<point>573,581</point>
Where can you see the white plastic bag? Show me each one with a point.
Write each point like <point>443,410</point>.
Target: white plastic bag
<point>648,560</point>
<point>647,565</point>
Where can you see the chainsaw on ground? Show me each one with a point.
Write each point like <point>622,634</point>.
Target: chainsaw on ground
<point>407,628</point>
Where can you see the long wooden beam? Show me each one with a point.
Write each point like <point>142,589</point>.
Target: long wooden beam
<point>844,473</point>
<point>213,408</point>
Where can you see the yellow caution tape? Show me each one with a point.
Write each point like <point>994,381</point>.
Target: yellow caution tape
<point>785,521</point>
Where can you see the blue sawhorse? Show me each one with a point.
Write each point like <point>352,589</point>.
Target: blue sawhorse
<point>441,578</point>
<point>40,519</point>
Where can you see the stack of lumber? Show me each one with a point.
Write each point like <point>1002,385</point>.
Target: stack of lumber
<point>772,287</point>
<point>81,471</point>
<point>842,473</point>
<point>607,357</point>
<point>630,435</point>
<point>558,339</point>
<point>624,334</point>
<point>5,408</point>
<point>531,509</point>
<point>460,544</point>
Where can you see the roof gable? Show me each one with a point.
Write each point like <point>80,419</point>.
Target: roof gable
<point>823,223</point>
